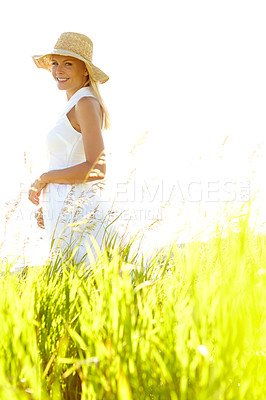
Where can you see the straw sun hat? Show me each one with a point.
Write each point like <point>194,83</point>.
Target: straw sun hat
<point>74,45</point>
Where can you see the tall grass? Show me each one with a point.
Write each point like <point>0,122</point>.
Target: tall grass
<point>186,323</point>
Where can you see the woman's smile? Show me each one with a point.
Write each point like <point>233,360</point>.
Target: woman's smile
<point>62,79</point>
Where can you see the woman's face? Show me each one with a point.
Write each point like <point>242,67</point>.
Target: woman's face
<point>69,72</point>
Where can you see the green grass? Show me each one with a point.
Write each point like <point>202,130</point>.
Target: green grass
<point>189,323</point>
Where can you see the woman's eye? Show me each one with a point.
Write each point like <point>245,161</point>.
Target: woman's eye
<point>54,63</point>
<point>68,63</point>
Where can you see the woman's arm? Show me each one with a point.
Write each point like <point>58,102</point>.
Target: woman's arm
<point>80,173</point>
<point>88,116</point>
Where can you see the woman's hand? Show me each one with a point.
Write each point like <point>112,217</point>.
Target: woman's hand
<point>39,218</point>
<point>36,189</point>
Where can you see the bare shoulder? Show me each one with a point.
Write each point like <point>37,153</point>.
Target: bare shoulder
<point>88,104</point>
<point>89,109</point>
<point>88,112</point>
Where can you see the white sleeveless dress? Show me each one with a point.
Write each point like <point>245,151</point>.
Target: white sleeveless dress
<point>75,216</point>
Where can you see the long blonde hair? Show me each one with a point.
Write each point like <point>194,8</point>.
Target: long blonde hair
<point>93,85</point>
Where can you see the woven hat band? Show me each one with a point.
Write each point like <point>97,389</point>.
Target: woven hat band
<point>77,43</point>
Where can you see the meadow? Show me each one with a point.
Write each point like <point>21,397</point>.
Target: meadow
<point>187,322</point>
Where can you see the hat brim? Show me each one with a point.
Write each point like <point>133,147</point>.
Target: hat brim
<point>44,61</point>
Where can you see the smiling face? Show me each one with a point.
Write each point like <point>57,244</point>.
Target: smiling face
<point>69,72</point>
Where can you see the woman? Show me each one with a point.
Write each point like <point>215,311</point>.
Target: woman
<point>73,213</point>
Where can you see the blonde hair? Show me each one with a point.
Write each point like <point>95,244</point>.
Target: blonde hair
<point>93,85</point>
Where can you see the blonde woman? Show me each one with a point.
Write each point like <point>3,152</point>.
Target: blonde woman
<point>72,212</point>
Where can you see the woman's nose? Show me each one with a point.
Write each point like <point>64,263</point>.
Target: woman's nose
<point>59,69</point>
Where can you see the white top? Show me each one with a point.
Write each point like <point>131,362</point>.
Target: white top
<point>64,146</point>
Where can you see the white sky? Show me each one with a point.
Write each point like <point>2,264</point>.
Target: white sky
<point>189,72</point>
